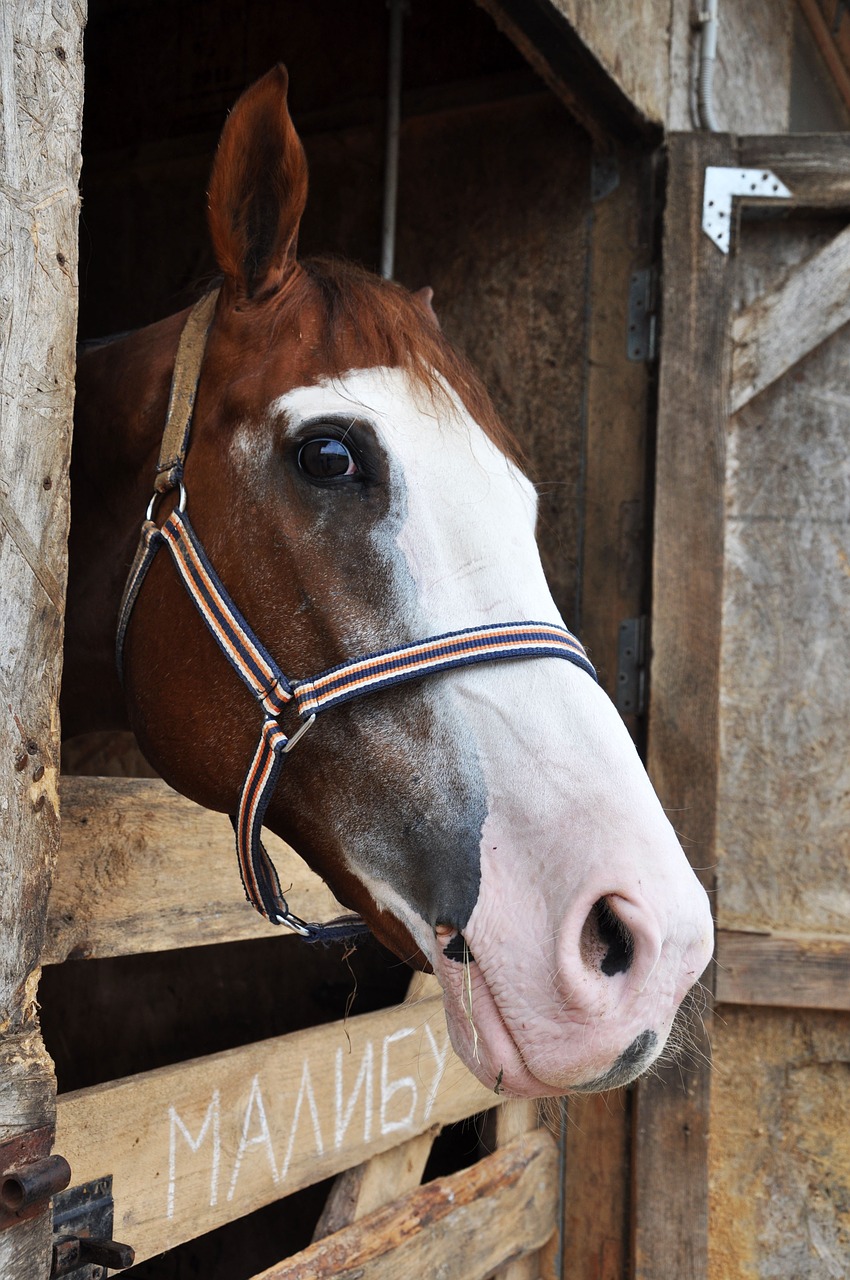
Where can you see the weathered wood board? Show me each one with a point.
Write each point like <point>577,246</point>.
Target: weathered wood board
<point>752,78</point>
<point>468,1224</point>
<point>42,88</point>
<point>780,1146</point>
<point>199,1144</point>
<point>143,869</point>
<point>799,972</point>
<point>784,828</point>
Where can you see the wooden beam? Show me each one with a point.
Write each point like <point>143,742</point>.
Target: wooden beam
<point>143,869</point>
<point>468,1224</point>
<point>672,1107</point>
<point>825,42</point>
<point>41,53</point>
<point>802,972</point>
<point>781,327</point>
<point>814,167</point>
<point>516,1121</point>
<point>201,1143</point>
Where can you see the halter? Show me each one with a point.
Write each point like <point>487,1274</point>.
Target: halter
<point>257,668</point>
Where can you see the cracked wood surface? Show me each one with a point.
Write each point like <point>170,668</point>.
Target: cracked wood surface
<point>41,75</point>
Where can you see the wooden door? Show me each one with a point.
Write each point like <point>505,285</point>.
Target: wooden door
<point>742,1162</point>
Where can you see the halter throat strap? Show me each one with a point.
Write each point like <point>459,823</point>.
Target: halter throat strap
<point>259,671</point>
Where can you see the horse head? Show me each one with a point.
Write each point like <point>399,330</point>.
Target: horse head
<point>355,490</point>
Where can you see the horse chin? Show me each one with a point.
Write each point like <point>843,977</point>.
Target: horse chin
<point>486,1044</point>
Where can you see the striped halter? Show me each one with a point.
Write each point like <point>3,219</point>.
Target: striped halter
<point>257,668</point>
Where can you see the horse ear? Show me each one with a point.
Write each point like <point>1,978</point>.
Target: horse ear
<point>424,298</point>
<point>258,189</point>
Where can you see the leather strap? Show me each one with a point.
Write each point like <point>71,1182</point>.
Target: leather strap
<point>184,385</point>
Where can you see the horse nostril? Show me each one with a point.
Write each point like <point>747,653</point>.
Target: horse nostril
<point>458,950</point>
<point>606,942</point>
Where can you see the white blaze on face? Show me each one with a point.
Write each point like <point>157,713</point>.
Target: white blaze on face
<point>571,817</point>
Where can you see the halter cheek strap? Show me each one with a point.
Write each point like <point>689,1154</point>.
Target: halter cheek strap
<point>260,673</point>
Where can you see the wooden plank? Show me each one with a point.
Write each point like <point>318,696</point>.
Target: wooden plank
<point>614,565</point>
<point>781,327</point>
<point>803,972</point>
<point>670,1227</point>
<point>628,45</point>
<point>825,41</point>
<point>815,167</point>
<point>41,70</point>
<point>143,869</point>
<point>468,1224</point>
<point>517,1119</point>
<point>390,1174</point>
<point>198,1144</point>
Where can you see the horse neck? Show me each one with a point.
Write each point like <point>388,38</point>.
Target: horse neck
<point>122,394</point>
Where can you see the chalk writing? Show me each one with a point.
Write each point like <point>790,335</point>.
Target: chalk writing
<point>390,1087</point>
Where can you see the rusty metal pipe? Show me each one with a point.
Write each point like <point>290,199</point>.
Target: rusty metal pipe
<point>32,1183</point>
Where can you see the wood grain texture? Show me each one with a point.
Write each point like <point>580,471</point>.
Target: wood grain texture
<point>816,167</point>
<point>41,75</point>
<point>670,1227</point>
<point>783,843</point>
<point>468,1224</point>
<point>369,1186</point>
<point>782,326</point>
<point>517,1119</point>
<point>752,79</point>
<point>780,1146</point>
<point>143,869</point>
<point>824,38</point>
<point>614,568</point>
<point>201,1143</point>
<point>804,972</point>
<point>515,303</point>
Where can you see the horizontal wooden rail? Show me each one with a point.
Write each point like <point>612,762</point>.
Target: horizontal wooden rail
<point>468,1224</point>
<point>199,1144</point>
<point>143,869</point>
<point>794,972</point>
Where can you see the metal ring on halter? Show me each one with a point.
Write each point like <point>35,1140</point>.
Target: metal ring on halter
<point>292,922</point>
<point>181,501</point>
<point>299,734</point>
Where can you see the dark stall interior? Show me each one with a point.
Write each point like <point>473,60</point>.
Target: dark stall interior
<point>494,214</point>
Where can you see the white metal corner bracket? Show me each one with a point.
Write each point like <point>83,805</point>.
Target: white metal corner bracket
<point>722,184</point>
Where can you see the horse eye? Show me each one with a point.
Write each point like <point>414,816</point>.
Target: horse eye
<point>326,459</point>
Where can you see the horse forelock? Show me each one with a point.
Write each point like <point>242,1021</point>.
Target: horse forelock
<point>364,321</point>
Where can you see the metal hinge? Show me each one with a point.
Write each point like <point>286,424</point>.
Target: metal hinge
<point>83,1248</point>
<point>630,696</point>
<point>641,322</point>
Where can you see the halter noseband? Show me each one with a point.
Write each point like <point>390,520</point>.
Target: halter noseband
<point>257,668</point>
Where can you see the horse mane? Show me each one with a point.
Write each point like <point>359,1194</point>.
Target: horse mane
<point>383,322</point>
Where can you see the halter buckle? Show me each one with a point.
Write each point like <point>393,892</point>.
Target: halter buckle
<point>298,735</point>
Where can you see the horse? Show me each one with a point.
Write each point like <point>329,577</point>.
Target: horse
<point>353,492</point>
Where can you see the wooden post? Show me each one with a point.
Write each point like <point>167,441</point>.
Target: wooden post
<point>41,57</point>
<point>670,1169</point>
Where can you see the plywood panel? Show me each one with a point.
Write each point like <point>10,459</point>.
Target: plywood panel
<point>204,1142</point>
<point>780,1146</point>
<point>493,211</point>
<point>784,833</point>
